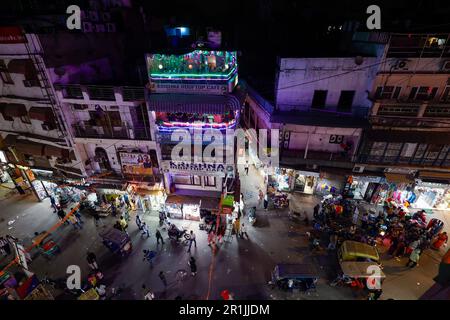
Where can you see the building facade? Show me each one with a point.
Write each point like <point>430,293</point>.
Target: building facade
<point>35,139</point>
<point>409,133</point>
<point>194,91</point>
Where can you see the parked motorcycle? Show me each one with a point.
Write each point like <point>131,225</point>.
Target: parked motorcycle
<point>176,234</point>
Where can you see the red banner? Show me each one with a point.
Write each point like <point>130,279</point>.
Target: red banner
<point>12,35</point>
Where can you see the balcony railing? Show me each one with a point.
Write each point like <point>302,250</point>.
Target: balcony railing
<point>115,132</point>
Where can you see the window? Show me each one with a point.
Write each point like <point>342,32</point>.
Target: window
<point>377,151</point>
<point>31,83</point>
<point>114,117</point>
<point>25,119</point>
<point>187,180</point>
<point>407,151</point>
<point>319,99</point>
<point>4,73</point>
<point>210,181</point>
<point>101,93</point>
<point>387,92</point>
<point>392,152</point>
<point>346,100</point>
<point>432,153</point>
<point>419,153</point>
<point>72,92</point>
<point>422,93</point>
<point>446,95</point>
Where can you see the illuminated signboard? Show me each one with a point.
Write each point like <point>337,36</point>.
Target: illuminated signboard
<point>136,163</point>
<point>12,35</point>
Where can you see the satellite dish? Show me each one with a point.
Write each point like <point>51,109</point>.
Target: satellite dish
<point>359,60</point>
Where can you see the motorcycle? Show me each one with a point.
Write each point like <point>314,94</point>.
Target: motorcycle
<point>176,234</point>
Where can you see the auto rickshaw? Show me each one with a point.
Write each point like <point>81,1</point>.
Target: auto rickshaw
<point>367,273</point>
<point>290,277</point>
<point>117,241</point>
<point>358,251</point>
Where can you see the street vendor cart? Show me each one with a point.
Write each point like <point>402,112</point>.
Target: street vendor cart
<point>117,241</point>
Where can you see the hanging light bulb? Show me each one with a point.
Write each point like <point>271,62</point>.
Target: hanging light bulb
<point>190,66</point>
<point>160,66</point>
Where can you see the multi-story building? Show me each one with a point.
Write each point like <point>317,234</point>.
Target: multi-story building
<point>196,90</point>
<point>33,131</point>
<point>101,92</point>
<point>409,137</point>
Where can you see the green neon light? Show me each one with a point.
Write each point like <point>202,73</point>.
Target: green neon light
<point>192,75</point>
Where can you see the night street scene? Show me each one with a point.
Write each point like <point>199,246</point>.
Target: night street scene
<point>256,150</point>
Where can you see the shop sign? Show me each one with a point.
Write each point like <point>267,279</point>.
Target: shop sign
<point>12,35</point>
<point>197,167</point>
<point>159,87</point>
<point>136,163</point>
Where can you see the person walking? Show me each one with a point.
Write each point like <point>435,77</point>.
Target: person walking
<point>192,240</point>
<point>355,216</point>
<point>123,223</point>
<point>92,261</point>
<point>77,214</point>
<point>237,227</point>
<point>266,201</point>
<point>149,255</point>
<point>414,258</point>
<point>139,221</point>
<point>246,166</point>
<point>260,198</point>
<point>145,230</point>
<point>126,214</point>
<point>75,222</point>
<point>244,231</point>
<point>162,276</point>
<point>159,236</point>
<point>193,266</point>
<point>53,203</point>
<point>148,294</point>
<point>62,215</point>
<point>96,219</point>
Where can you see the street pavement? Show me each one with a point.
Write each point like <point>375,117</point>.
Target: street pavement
<point>241,266</point>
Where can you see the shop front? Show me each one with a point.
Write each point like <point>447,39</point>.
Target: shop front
<point>431,195</point>
<point>183,207</point>
<point>397,188</point>
<point>305,181</point>
<point>282,180</point>
<point>148,199</point>
<point>361,187</point>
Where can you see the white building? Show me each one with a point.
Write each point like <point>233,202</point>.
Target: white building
<point>32,128</point>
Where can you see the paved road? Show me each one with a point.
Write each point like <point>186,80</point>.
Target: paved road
<point>240,266</point>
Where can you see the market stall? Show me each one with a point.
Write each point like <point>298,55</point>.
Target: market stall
<point>182,207</point>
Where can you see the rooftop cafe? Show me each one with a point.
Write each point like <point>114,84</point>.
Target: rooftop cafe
<point>197,64</point>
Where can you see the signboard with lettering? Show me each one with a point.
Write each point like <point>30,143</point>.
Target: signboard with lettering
<point>12,35</point>
<point>194,88</point>
<point>200,168</point>
<point>136,163</point>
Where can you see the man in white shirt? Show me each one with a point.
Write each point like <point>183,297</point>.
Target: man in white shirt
<point>244,231</point>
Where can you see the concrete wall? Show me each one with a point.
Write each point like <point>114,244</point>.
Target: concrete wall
<point>299,77</point>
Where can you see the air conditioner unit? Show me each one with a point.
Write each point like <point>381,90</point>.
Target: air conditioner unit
<point>100,27</point>
<point>400,64</point>
<point>446,66</point>
<point>93,16</point>
<point>358,169</point>
<point>87,27</point>
<point>111,27</point>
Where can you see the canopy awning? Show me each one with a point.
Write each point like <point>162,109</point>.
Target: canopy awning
<point>177,199</point>
<point>193,103</point>
<point>398,178</point>
<point>52,151</point>
<point>41,113</point>
<point>436,177</point>
<point>13,109</point>
<point>29,147</point>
